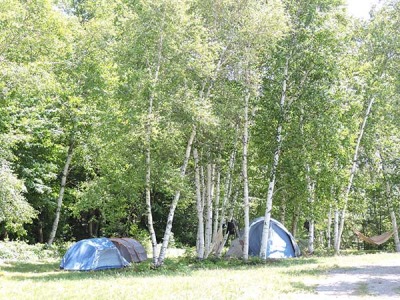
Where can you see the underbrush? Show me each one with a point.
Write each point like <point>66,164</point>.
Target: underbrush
<point>21,251</point>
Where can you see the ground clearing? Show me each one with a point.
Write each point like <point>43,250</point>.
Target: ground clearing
<point>345,277</point>
<point>377,277</point>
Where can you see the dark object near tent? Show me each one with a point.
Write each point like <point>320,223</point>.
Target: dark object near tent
<point>281,243</point>
<point>93,254</point>
<point>130,249</point>
<point>232,228</point>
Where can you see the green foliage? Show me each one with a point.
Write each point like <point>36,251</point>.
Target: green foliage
<point>15,211</point>
<point>83,72</point>
<point>22,252</point>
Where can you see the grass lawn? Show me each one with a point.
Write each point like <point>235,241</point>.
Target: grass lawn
<point>180,278</point>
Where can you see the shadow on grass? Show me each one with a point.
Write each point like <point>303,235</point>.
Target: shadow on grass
<point>26,267</point>
<point>50,271</point>
<point>302,287</point>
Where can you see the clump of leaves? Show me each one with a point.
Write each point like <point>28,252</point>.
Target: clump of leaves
<point>22,251</point>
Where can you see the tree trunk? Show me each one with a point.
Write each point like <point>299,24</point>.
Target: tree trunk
<point>148,182</point>
<point>271,185</point>
<point>203,186</point>
<point>352,173</point>
<point>310,190</point>
<point>228,182</point>
<point>328,230</point>
<point>148,151</point>
<point>394,227</point>
<point>90,228</point>
<point>200,208</point>
<point>311,193</point>
<point>283,210</point>
<point>61,193</point>
<point>245,179</point>
<point>311,237</point>
<point>336,228</point>
<point>170,219</point>
<point>390,205</point>
<point>295,220</point>
<point>40,232</point>
<point>216,207</point>
<point>209,212</point>
<point>148,187</point>
<point>230,217</point>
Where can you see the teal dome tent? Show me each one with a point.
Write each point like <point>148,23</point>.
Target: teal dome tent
<point>93,254</point>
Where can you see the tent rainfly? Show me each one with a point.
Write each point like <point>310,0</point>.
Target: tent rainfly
<point>281,243</point>
<point>130,249</point>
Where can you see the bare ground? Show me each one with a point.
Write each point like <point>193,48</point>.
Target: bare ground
<point>377,280</point>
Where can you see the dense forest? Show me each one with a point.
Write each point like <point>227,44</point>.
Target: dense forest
<point>162,120</point>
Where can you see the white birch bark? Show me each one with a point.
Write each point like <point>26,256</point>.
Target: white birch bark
<point>227,189</point>
<point>245,178</point>
<point>203,96</point>
<point>170,219</point>
<point>203,186</point>
<point>328,230</point>
<point>390,205</point>
<point>394,228</point>
<point>352,173</point>
<point>228,181</point>
<point>310,188</point>
<point>234,201</point>
<point>200,207</point>
<point>148,147</point>
<point>310,191</point>
<point>61,193</point>
<point>336,228</point>
<point>148,180</point>
<point>216,206</point>
<point>271,185</point>
<point>230,217</point>
<point>209,212</point>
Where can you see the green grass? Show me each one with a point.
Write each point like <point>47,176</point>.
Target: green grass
<point>362,289</point>
<point>179,278</point>
<point>397,290</point>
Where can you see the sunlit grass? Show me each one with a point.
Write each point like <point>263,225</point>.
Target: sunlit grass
<point>180,278</point>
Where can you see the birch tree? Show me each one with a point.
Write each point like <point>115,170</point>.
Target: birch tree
<point>377,51</point>
<point>254,38</point>
<point>168,229</point>
<point>246,179</point>
<point>61,193</point>
<point>241,30</point>
<point>352,173</point>
<point>388,194</point>
<point>294,73</point>
<point>200,244</point>
<point>153,68</point>
<point>271,184</point>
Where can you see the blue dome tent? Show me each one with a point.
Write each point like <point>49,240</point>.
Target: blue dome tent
<point>93,254</point>
<point>281,243</point>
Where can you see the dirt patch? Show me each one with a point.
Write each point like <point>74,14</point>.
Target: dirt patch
<point>377,281</point>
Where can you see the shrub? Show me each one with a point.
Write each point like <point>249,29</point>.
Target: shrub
<point>21,251</point>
